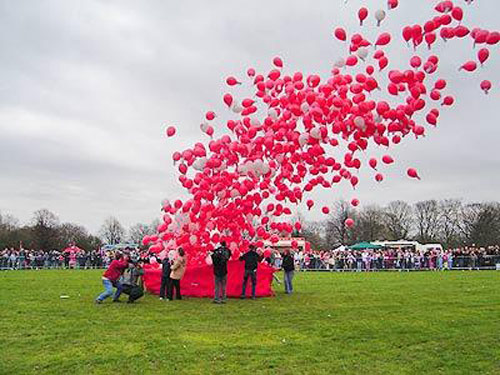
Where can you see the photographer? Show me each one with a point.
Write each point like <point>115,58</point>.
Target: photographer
<point>220,257</point>
<point>132,282</point>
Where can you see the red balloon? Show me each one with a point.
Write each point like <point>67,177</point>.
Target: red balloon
<point>413,173</point>
<point>277,61</point>
<point>469,66</point>
<point>340,34</point>
<point>387,159</point>
<point>231,81</point>
<point>486,86</point>
<point>383,39</point>
<point>483,55</point>
<point>170,131</point>
<point>349,222</point>
<point>228,99</point>
<point>355,202</point>
<point>310,203</point>
<point>362,14</point>
<point>325,210</point>
<point>391,4</point>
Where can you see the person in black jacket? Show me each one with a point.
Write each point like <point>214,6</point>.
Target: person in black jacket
<point>251,259</point>
<point>165,276</point>
<point>288,268</point>
<point>220,256</point>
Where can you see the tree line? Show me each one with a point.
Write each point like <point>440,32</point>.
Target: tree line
<point>451,222</point>
<point>45,232</point>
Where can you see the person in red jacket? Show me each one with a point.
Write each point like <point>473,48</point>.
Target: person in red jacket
<point>111,276</point>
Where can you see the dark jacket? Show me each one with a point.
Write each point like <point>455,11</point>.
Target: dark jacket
<point>219,259</point>
<point>288,264</point>
<point>251,259</point>
<point>165,267</point>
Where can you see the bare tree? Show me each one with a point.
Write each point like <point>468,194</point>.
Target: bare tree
<point>112,232</point>
<point>427,216</point>
<point>138,231</point>
<point>398,220</point>
<point>8,222</point>
<point>480,224</point>
<point>336,230</point>
<point>369,224</point>
<point>449,224</point>
<point>44,229</point>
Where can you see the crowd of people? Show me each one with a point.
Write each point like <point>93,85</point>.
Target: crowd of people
<point>69,258</point>
<point>399,259</point>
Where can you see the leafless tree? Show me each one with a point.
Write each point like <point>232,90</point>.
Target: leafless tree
<point>369,224</point>
<point>112,232</point>
<point>480,224</point>
<point>336,230</point>
<point>44,229</point>
<point>138,231</point>
<point>449,224</point>
<point>428,218</point>
<point>398,220</point>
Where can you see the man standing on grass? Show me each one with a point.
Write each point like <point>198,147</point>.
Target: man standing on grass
<point>251,259</point>
<point>288,268</point>
<point>219,259</point>
<point>111,277</point>
<point>165,276</point>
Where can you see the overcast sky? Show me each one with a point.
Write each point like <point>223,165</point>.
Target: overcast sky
<point>88,87</point>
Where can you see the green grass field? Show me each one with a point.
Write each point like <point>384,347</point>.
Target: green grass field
<point>376,323</point>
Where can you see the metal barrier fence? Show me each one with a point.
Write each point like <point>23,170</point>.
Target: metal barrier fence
<point>486,262</point>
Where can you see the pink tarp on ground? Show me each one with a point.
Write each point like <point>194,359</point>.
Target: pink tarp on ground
<point>198,281</point>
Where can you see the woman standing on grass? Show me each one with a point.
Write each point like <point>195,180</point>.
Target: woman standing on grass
<point>178,269</point>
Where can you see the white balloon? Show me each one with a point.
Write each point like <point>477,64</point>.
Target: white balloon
<point>303,138</point>
<point>379,16</point>
<point>204,127</point>
<point>199,164</point>
<point>273,113</point>
<point>360,123</point>
<point>362,53</point>
<point>315,133</point>
<point>192,239</point>
<point>304,107</point>
<point>237,108</point>
<point>255,122</point>
<point>340,63</point>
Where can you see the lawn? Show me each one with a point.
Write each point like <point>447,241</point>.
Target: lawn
<point>376,323</point>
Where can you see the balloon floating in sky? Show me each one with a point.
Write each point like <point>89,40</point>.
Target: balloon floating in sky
<point>285,135</point>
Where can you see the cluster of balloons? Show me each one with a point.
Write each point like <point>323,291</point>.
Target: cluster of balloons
<point>278,147</point>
